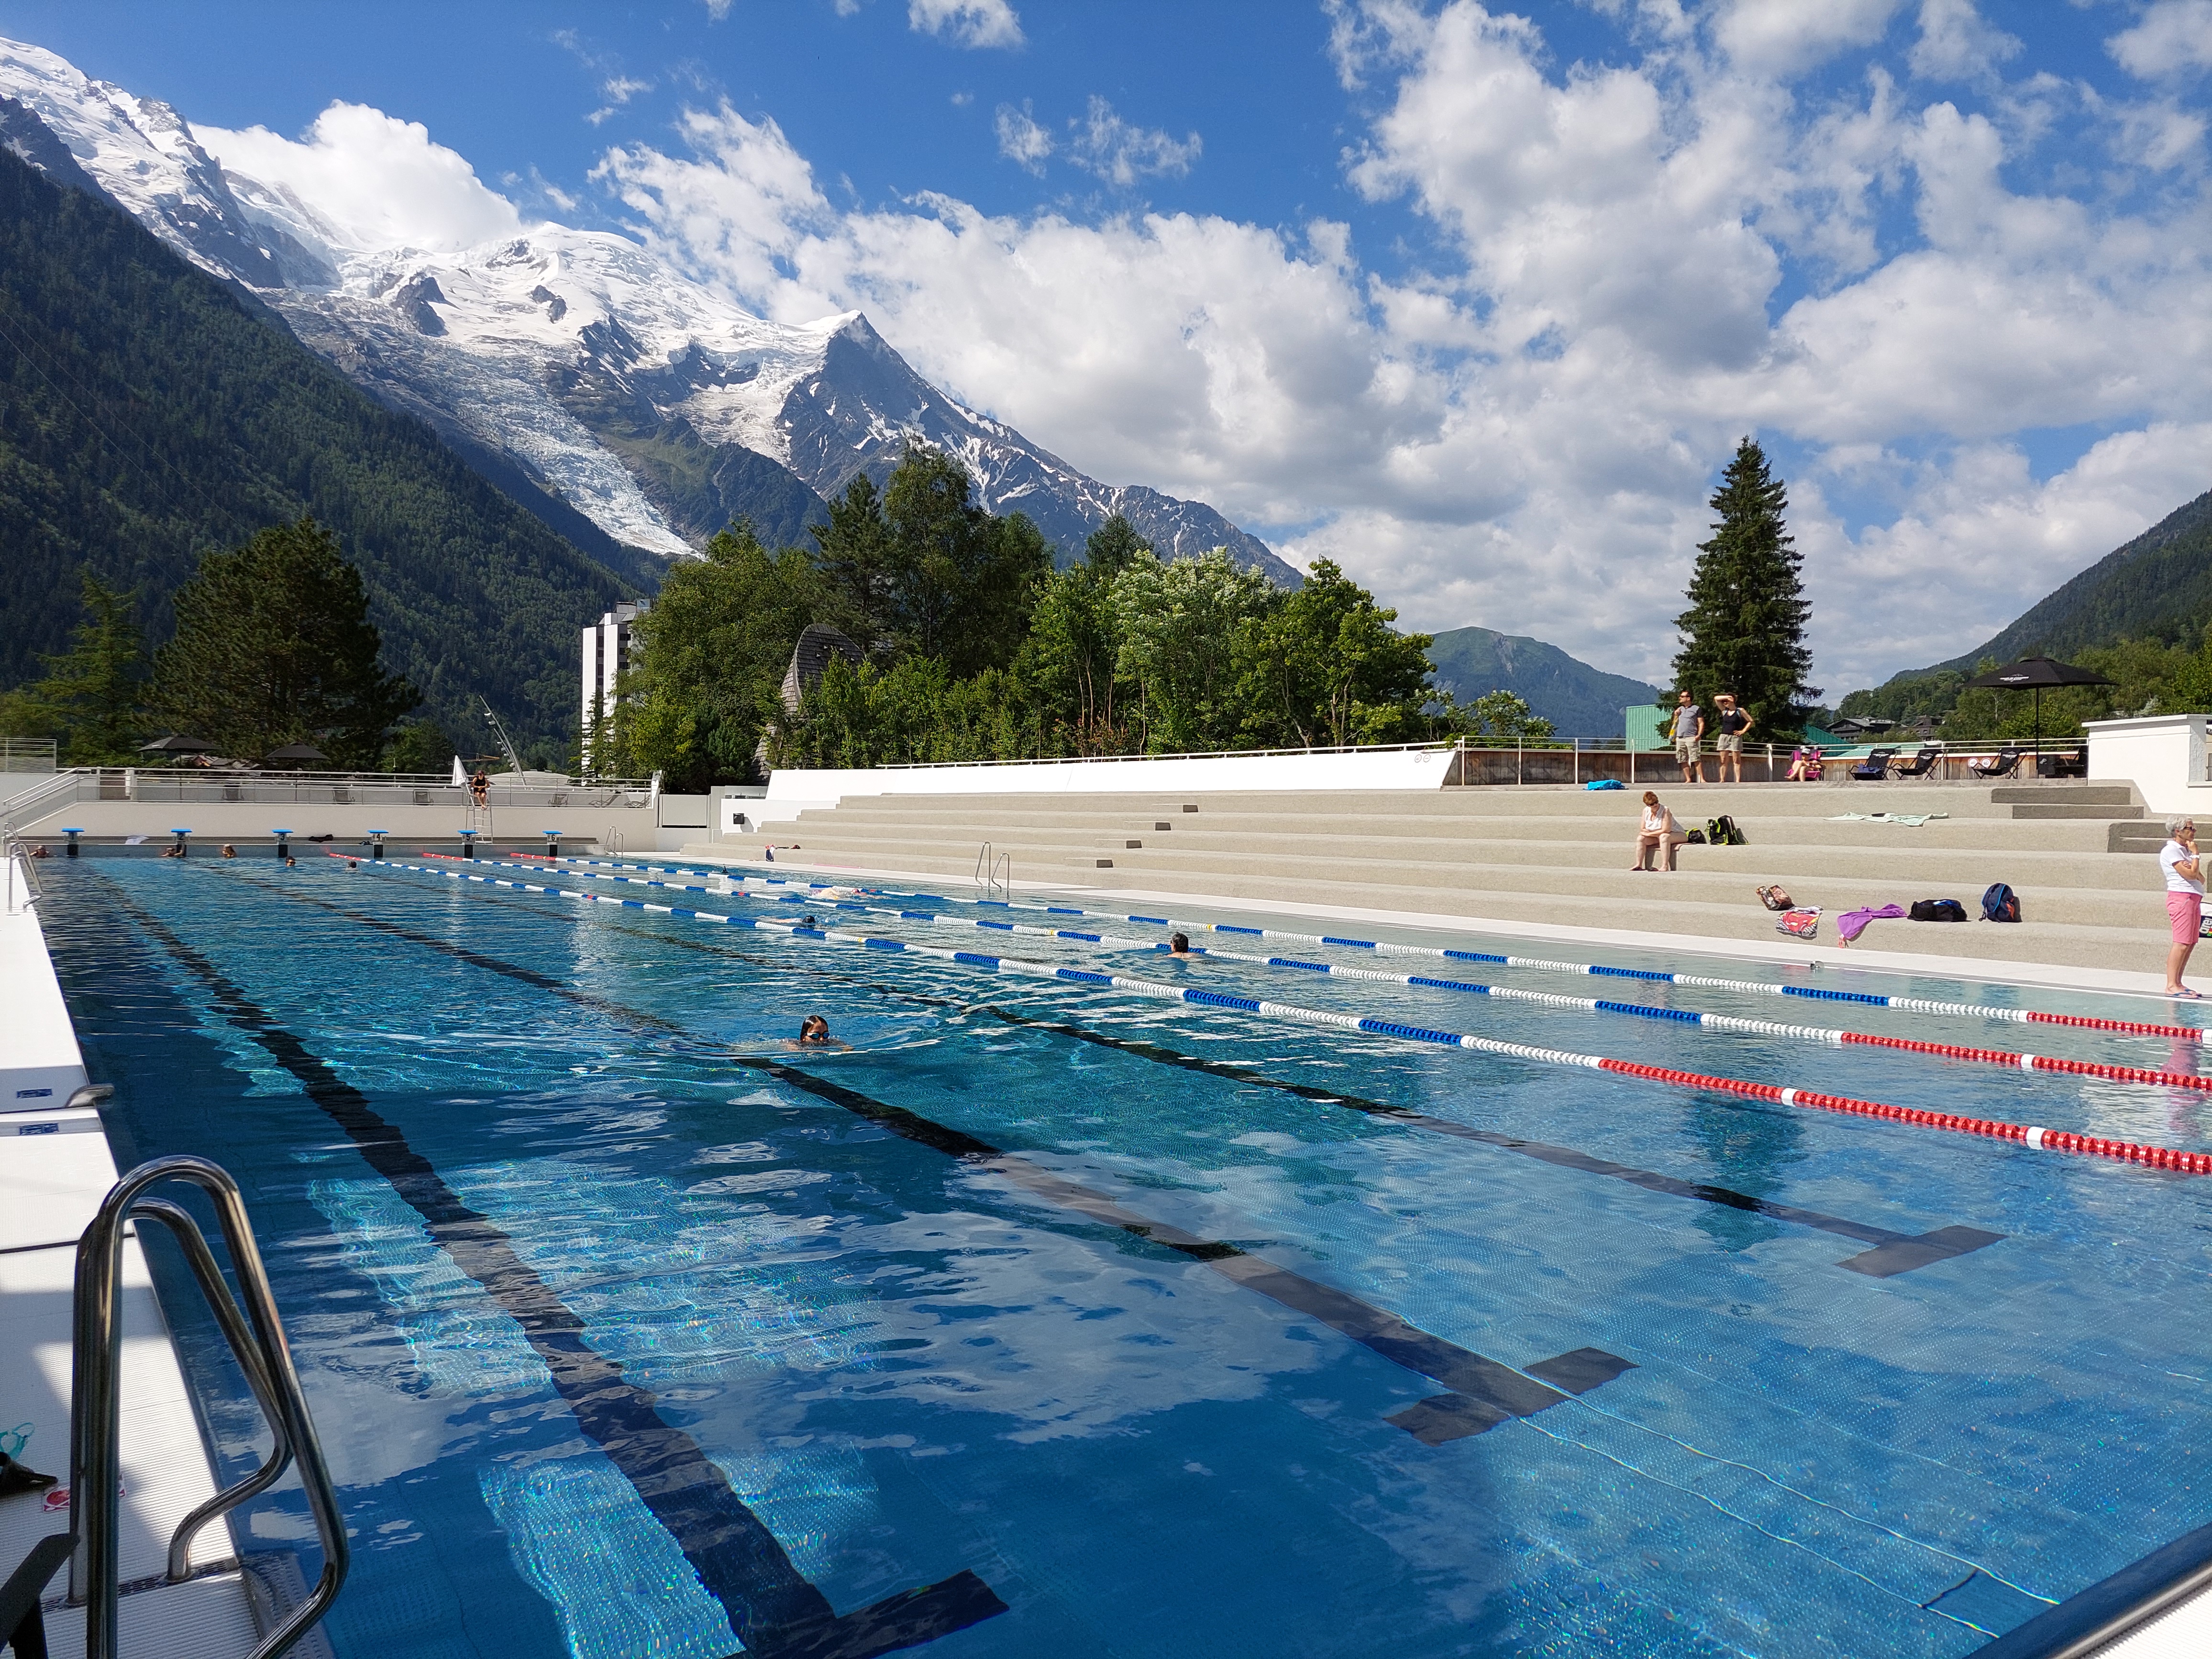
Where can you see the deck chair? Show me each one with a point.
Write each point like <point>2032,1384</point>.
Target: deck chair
<point>1920,765</point>
<point>2001,766</point>
<point>1875,765</point>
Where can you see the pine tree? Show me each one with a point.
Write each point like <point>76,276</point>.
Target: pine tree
<point>92,696</point>
<point>1744,632</point>
<point>274,646</point>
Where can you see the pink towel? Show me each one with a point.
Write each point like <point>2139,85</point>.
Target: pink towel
<point>1852,923</point>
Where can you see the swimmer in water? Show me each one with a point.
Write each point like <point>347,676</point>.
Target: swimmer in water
<point>1179,945</point>
<point>814,1033</point>
<point>228,851</point>
<point>289,862</point>
<point>806,922</point>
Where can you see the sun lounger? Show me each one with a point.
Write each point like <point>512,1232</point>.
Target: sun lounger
<point>1920,764</point>
<point>1999,765</point>
<point>1875,765</point>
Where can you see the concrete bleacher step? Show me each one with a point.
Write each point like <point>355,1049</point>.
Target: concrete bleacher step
<point>1557,855</point>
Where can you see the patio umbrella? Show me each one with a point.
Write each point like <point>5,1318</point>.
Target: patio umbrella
<point>2032,674</point>
<point>296,752</point>
<point>178,746</point>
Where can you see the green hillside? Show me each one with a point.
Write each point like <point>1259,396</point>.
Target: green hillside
<point>149,412</point>
<point>2158,586</point>
<point>1580,701</point>
<point>2153,592</point>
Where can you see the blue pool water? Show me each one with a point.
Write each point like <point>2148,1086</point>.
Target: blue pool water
<point>629,1331</point>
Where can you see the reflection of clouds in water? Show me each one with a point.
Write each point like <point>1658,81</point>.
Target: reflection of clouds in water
<point>1065,1336</point>
<point>581,1536</point>
<point>461,1341</point>
<point>677,1289</point>
<point>673,1290</point>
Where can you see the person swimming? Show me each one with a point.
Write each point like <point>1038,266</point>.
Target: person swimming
<point>806,922</point>
<point>1179,945</point>
<point>814,1033</point>
<point>228,851</point>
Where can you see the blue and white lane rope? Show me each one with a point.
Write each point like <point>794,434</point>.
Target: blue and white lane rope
<point>2165,1158</point>
<point>1758,988</point>
<point>1833,1036</point>
<point>1111,941</point>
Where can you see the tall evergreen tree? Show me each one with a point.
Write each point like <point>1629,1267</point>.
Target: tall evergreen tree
<point>274,646</point>
<point>91,698</point>
<point>1745,629</point>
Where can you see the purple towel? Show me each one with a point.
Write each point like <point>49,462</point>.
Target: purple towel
<point>1852,923</point>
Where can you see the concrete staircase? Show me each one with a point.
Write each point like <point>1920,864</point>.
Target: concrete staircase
<point>2072,850</point>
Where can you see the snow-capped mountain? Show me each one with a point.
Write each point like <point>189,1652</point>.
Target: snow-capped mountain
<point>576,359</point>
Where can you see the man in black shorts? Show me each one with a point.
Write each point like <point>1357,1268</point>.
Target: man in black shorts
<point>1735,725</point>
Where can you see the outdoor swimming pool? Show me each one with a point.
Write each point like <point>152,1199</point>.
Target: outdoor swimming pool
<point>1056,1319</point>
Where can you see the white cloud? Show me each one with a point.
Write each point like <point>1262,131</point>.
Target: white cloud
<point>968,22</point>
<point>622,88</point>
<point>1634,264</point>
<point>1022,139</point>
<point>1785,37</point>
<point>377,181</point>
<point>1523,434</point>
<point>2172,37</point>
<point>1105,145</point>
<point>1956,44</point>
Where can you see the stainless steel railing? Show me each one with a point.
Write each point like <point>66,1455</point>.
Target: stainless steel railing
<point>256,1337</point>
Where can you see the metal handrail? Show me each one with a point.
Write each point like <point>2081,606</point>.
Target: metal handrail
<point>988,867</point>
<point>257,1339</point>
<point>12,853</point>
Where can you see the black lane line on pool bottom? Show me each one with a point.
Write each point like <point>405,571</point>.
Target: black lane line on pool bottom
<point>1893,1253</point>
<point>773,1610</point>
<point>1484,1392</point>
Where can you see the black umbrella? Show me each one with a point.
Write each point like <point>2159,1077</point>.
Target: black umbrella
<point>178,746</point>
<point>2032,674</point>
<point>296,752</point>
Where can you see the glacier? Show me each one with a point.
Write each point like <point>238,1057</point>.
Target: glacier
<point>643,400</point>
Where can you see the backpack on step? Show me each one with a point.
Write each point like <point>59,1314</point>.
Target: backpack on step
<point>2000,903</point>
<point>1722,832</point>
<point>1695,838</point>
<point>1801,924</point>
<point>1938,910</point>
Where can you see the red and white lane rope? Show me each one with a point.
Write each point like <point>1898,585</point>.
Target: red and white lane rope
<point>2056,1140</point>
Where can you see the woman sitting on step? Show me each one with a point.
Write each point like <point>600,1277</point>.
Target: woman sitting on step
<point>1659,834</point>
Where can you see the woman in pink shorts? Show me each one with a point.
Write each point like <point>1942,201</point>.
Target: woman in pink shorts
<point>2185,899</point>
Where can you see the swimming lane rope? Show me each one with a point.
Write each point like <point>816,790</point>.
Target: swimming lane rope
<point>1833,1035</point>
<point>1758,988</point>
<point>2061,1140</point>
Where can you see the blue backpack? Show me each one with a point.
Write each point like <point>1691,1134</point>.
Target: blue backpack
<point>2000,903</point>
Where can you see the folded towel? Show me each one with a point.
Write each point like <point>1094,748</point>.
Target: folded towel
<point>1852,923</point>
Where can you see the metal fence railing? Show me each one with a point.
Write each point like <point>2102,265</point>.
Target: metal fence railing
<point>28,754</point>
<point>1491,760</point>
<point>184,785</point>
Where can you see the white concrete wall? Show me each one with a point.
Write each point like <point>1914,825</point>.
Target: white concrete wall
<point>790,790</point>
<point>2163,755</point>
<point>39,1066</point>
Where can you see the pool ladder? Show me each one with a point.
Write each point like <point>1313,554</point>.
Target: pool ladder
<point>994,874</point>
<point>257,1341</point>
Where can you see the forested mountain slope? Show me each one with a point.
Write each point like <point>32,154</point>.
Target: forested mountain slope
<point>1580,700</point>
<point>2158,586</point>
<point>148,412</point>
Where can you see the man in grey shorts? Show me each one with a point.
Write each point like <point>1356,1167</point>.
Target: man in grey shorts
<point>1688,731</point>
<point>1734,725</point>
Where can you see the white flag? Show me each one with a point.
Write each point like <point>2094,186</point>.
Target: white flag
<point>460,778</point>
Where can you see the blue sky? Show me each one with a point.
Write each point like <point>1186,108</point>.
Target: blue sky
<point>1474,301</point>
